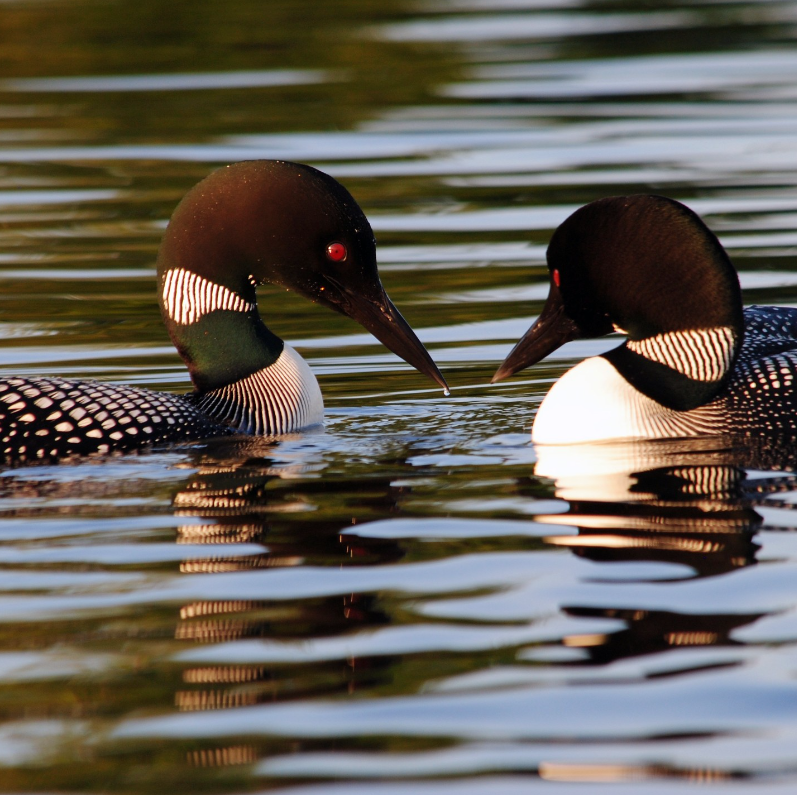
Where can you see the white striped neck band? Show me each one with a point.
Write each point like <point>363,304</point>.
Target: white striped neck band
<point>699,354</point>
<point>187,297</point>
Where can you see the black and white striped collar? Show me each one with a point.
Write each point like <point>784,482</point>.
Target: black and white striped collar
<point>681,370</point>
<point>699,354</point>
<point>281,398</point>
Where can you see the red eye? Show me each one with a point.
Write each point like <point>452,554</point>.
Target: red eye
<point>557,279</point>
<point>336,252</point>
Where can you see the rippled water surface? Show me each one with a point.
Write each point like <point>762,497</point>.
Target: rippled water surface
<point>412,600</point>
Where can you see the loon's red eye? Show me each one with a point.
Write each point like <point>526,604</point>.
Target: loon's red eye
<point>557,279</point>
<point>336,252</point>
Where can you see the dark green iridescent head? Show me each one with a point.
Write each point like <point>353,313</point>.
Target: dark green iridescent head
<point>279,222</point>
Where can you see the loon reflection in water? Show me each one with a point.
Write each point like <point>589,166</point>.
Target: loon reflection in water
<point>685,502</point>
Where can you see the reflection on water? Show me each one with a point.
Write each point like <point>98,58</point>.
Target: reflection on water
<point>172,82</point>
<point>486,630</point>
<point>415,599</point>
<point>685,504</point>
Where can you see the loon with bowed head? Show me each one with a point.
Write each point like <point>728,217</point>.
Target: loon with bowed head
<point>694,362</point>
<point>244,225</point>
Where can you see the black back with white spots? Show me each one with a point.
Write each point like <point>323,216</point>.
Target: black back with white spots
<point>54,418</point>
<point>760,398</point>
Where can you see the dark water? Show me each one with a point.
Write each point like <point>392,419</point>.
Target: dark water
<point>408,601</point>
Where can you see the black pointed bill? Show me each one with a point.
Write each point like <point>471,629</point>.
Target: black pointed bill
<point>552,329</point>
<point>379,315</point>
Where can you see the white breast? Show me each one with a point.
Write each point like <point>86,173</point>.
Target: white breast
<point>593,402</point>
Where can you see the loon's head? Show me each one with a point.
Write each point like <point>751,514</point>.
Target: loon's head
<point>649,267</point>
<point>269,221</point>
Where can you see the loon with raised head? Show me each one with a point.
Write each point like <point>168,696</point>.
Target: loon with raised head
<point>244,225</point>
<point>694,362</point>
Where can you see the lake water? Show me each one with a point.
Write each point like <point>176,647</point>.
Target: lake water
<point>407,601</point>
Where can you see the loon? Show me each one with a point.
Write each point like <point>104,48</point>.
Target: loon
<point>244,225</point>
<point>694,362</point>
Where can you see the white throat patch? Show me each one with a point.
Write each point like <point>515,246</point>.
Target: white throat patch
<point>188,296</point>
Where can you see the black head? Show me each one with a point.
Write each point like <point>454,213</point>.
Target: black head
<point>294,226</point>
<point>275,221</point>
<point>646,265</point>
